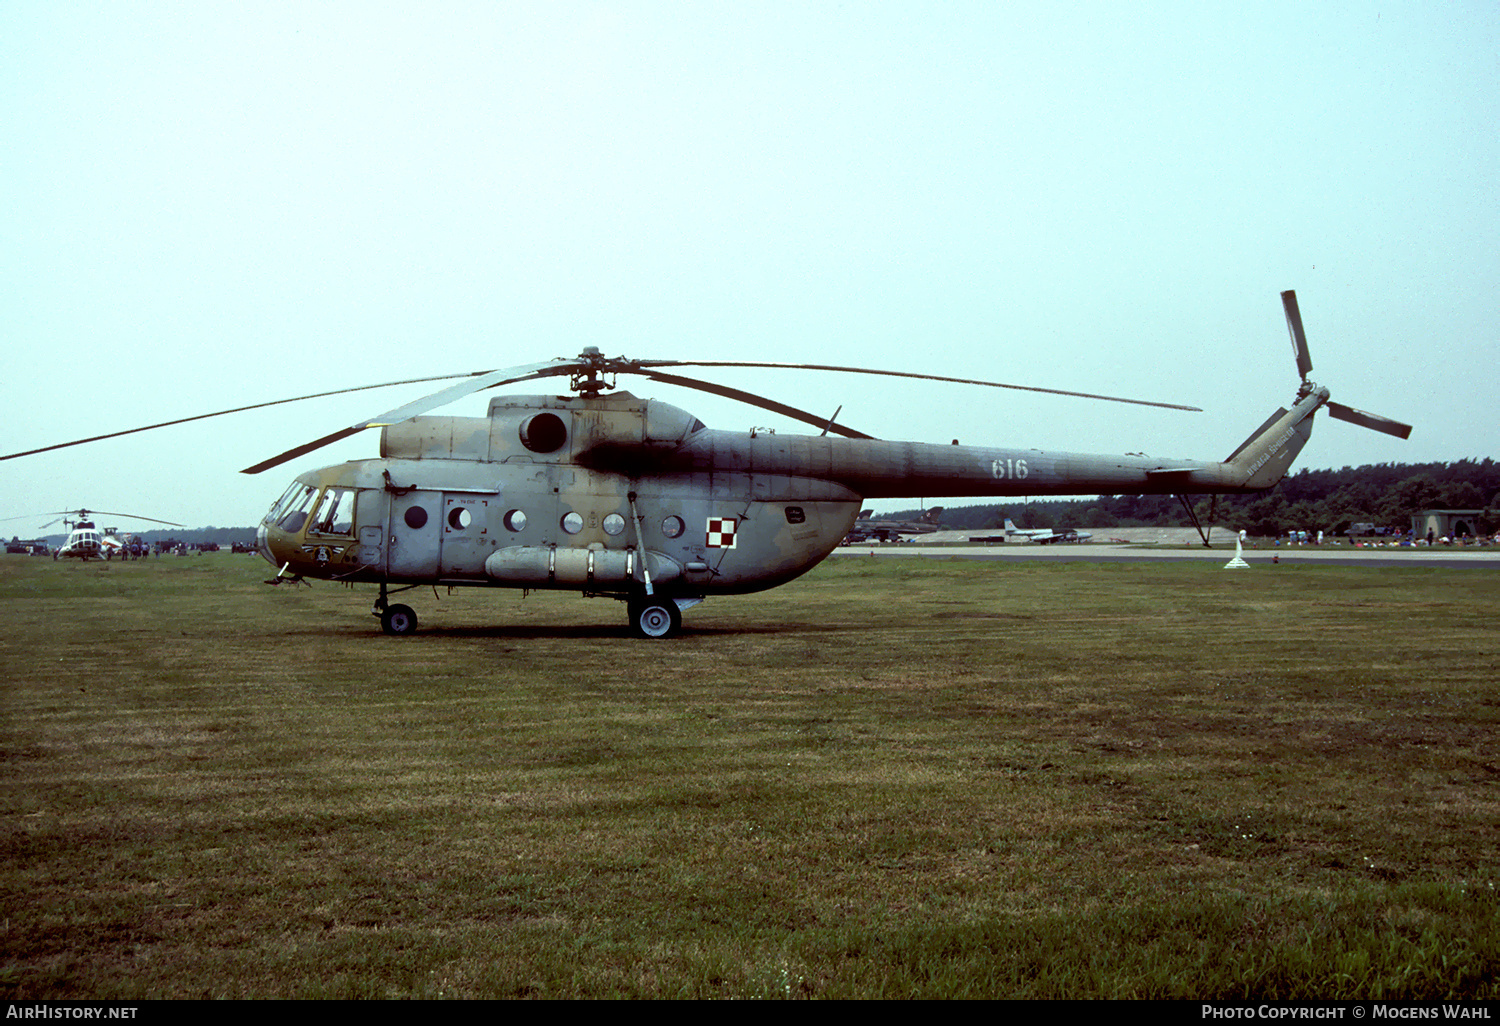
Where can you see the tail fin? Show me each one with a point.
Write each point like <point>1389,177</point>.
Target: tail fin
<point>1263,458</point>
<point>931,516</point>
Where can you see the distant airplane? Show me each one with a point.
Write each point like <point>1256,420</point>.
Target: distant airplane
<point>868,529</point>
<point>1044,535</point>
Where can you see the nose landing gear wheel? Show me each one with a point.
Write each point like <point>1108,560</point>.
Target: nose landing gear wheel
<point>655,618</point>
<point>398,620</point>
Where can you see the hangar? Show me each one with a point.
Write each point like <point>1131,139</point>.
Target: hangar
<point>1448,523</point>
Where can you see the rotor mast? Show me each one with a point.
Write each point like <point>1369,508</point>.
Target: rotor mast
<point>588,379</point>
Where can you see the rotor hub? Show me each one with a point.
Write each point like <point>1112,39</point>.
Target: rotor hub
<point>596,373</point>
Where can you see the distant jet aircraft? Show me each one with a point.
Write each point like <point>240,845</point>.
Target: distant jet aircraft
<point>868,529</point>
<point>1044,535</point>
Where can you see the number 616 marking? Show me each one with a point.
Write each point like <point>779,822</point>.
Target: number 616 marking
<point>1008,469</point>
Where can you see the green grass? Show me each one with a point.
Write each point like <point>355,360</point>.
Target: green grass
<point>887,779</point>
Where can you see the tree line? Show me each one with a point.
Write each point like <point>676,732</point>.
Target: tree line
<point>1384,494</point>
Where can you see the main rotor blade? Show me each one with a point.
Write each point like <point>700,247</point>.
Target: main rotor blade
<point>907,374</point>
<point>478,383</point>
<point>128,516</point>
<point>88,513</point>
<point>1370,420</point>
<point>237,409</point>
<point>754,400</point>
<point>45,513</point>
<point>303,449</point>
<point>475,383</point>
<point>1299,337</point>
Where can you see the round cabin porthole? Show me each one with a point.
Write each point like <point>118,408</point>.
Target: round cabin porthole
<point>544,432</point>
<point>459,518</point>
<point>572,523</point>
<point>672,527</point>
<point>614,524</point>
<point>515,520</point>
<point>415,517</point>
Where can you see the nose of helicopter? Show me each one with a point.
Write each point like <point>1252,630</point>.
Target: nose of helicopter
<point>262,546</point>
<point>271,544</point>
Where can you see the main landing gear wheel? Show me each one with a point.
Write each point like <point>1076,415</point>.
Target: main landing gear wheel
<point>398,620</point>
<point>655,618</point>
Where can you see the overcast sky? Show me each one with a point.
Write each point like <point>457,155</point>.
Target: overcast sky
<point>208,205</point>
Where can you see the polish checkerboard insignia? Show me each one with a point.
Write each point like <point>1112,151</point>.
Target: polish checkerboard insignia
<point>721,532</point>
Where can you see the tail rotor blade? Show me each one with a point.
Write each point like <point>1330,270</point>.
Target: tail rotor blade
<point>1372,421</point>
<point>1299,337</point>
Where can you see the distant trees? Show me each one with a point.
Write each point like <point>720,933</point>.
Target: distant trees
<point>1385,494</point>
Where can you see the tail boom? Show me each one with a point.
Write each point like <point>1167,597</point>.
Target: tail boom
<point>876,469</point>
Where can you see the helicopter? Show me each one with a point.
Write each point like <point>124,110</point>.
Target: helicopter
<point>87,541</point>
<point>608,494</point>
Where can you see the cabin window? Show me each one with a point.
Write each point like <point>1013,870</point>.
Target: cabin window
<point>459,518</point>
<point>415,517</point>
<point>672,527</point>
<point>515,520</point>
<point>614,524</point>
<point>335,513</point>
<point>572,523</point>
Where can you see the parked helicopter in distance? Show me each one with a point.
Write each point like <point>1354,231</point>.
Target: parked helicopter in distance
<point>634,499</point>
<point>86,540</point>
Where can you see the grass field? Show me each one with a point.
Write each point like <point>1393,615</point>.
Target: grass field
<point>888,779</point>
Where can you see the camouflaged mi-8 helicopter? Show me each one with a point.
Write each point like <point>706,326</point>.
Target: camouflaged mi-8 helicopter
<point>612,495</point>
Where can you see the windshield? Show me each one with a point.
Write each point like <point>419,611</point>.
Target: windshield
<point>291,512</point>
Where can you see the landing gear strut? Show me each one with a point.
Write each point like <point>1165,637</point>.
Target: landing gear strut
<point>1193,516</point>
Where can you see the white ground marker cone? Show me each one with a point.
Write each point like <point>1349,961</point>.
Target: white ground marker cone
<point>1238,562</point>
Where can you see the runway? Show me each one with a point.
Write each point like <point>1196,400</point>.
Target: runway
<point>1449,559</point>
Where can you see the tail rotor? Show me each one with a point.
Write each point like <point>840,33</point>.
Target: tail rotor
<point>1373,421</point>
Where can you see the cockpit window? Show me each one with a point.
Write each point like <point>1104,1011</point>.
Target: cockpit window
<point>291,512</point>
<point>335,514</point>
<point>292,490</point>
